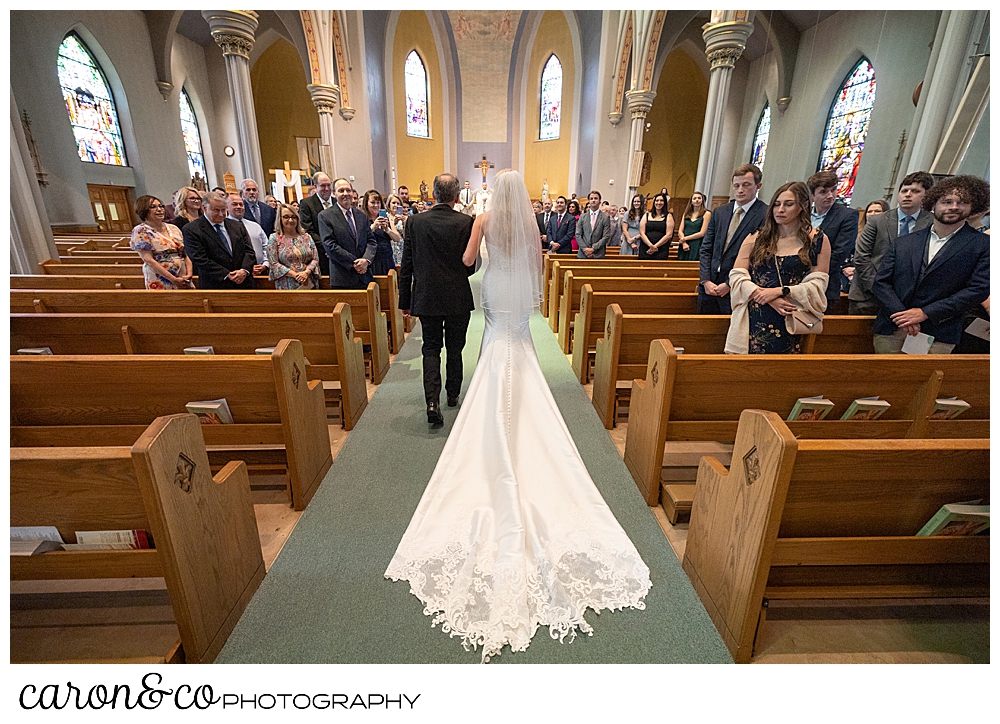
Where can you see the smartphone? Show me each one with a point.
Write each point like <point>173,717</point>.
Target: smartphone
<point>382,214</point>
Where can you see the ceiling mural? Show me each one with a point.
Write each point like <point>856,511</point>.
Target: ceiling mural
<point>484,40</point>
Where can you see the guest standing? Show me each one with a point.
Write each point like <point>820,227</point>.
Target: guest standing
<point>878,206</point>
<point>291,254</point>
<point>350,244</point>
<point>655,230</point>
<point>397,218</point>
<point>630,226</point>
<point>220,248</point>
<point>385,234</point>
<point>187,206</point>
<point>161,247</point>
<point>573,208</point>
<point>696,218</point>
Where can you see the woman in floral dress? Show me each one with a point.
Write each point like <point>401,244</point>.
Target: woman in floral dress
<point>161,247</point>
<point>291,254</point>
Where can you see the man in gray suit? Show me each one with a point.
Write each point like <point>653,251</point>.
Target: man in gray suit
<point>880,231</point>
<point>594,229</point>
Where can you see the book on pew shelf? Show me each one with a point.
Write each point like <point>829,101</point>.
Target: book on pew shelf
<point>98,547</point>
<point>35,532</point>
<point>918,343</point>
<point>211,412</point>
<point>679,350</point>
<point>138,539</point>
<point>34,350</point>
<point>264,350</point>
<point>207,349</point>
<point>810,408</point>
<point>958,519</point>
<point>866,408</point>
<point>33,547</point>
<point>979,328</point>
<point>948,408</point>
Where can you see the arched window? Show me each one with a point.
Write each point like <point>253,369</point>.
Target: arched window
<point>847,127</point>
<point>551,99</point>
<point>89,103</point>
<point>416,97</point>
<point>192,138</point>
<point>760,137</point>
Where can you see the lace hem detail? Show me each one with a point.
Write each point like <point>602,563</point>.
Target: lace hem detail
<point>491,603</point>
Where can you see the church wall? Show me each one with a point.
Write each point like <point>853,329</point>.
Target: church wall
<point>190,71</point>
<point>611,157</point>
<point>676,120</point>
<point>417,159</point>
<point>151,128</point>
<point>589,22</point>
<point>898,49</point>
<point>352,140</point>
<point>374,42</point>
<point>549,159</point>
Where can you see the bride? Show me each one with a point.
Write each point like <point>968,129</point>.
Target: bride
<point>511,533</point>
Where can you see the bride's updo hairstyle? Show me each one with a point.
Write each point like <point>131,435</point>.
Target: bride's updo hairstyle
<point>515,246</point>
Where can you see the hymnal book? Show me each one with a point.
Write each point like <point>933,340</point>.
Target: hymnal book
<point>35,532</point>
<point>119,538</point>
<point>264,350</point>
<point>207,349</point>
<point>34,350</point>
<point>948,408</point>
<point>958,519</point>
<point>866,408</point>
<point>211,412</point>
<point>679,350</point>
<point>919,343</point>
<point>979,328</point>
<point>810,408</point>
<point>33,547</point>
<point>97,547</point>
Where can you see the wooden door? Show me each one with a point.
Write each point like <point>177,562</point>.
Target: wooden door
<point>112,206</point>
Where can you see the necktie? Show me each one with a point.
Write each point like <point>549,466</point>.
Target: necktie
<point>326,204</point>
<point>547,214</point>
<point>559,220</point>
<point>733,226</point>
<point>905,225</point>
<point>218,230</point>
<point>350,220</point>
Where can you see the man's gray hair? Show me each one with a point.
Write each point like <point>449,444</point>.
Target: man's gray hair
<point>243,183</point>
<point>445,188</point>
<point>217,196</point>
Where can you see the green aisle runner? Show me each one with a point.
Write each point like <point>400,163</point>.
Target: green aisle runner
<point>324,600</point>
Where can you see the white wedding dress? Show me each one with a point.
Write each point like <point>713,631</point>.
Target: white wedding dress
<point>511,533</point>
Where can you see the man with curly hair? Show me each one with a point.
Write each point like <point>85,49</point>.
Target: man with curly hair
<point>928,279</point>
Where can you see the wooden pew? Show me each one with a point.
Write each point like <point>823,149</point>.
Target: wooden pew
<point>328,341</point>
<point>701,397</point>
<point>51,266</point>
<point>826,519</point>
<point>388,288</point>
<point>101,257</point>
<point>566,261</point>
<point>280,416</point>
<point>368,319</point>
<point>204,529</point>
<point>52,281</point>
<point>573,283</point>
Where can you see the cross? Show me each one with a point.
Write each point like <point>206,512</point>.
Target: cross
<point>483,166</point>
<point>288,175</point>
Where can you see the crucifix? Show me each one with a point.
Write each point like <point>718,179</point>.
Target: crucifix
<point>483,166</point>
<point>286,178</point>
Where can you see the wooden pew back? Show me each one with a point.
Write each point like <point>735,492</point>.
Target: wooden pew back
<point>130,269</point>
<point>57,281</point>
<point>651,269</point>
<point>567,261</point>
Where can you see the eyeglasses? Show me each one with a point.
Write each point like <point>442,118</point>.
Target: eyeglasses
<point>157,206</point>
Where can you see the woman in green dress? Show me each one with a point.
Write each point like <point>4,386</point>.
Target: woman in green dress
<point>696,218</point>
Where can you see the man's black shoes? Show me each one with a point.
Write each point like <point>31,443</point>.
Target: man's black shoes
<point>452,401</point>
<point>434,416</point>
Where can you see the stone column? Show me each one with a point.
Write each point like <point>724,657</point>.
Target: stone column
<point>724,44</point>
<point>326,98</point>
<point>944,84</point>
<point>233,30</point>
<point>639,103</point>
<point>30,234</point>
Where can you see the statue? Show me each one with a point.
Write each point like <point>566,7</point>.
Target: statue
<point>424,196</point>
<point>197,182</point>
<point>545,190</point>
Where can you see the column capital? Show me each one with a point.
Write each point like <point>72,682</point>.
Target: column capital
<point>725,41</point>
<point>165,89</point>
<point>639,102</point>
<point>325,97</point>
<point>232,30</point>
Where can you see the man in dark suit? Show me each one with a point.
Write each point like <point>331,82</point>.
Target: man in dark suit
<point>347,235</point>
<point>880,231</point>
<point>730,224</point>
<point>594,228</point>
<point>434,285</point>
<point>561,229</point>
<point>838,222</point>
<point>309,211</point>
<point>219,248</point>
<point>256,210</point>
<point>928,279</point>
<point>542,220</point>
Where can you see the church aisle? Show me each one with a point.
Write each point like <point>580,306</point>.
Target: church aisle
<point>324,600</point>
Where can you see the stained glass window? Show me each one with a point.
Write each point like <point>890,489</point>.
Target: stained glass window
<point>847,127</point>
<point>416,97</point>
<point>192,138</point>
<point>89,103</point>
<point>551,101</point>
<point>760,137</point>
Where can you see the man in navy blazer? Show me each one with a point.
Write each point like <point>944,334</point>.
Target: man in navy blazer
<point>723,238</point>
<point>255,209</point>
<point>347,236</point>
<point>930,278</point>
<point>838,222</point>
<point>219,248</point>
<point>561,230</point>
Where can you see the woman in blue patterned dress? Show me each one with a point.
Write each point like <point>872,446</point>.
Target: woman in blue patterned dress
<point>779,256</point>
<point>291,254</point>
<point>161,247</point>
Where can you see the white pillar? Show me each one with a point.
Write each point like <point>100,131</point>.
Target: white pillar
<point>326,98</point>
<point>951,59</point>
<point>233,31</point>
<point>639,103</point>
<point>724,44</point>
<point>30,234</point>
